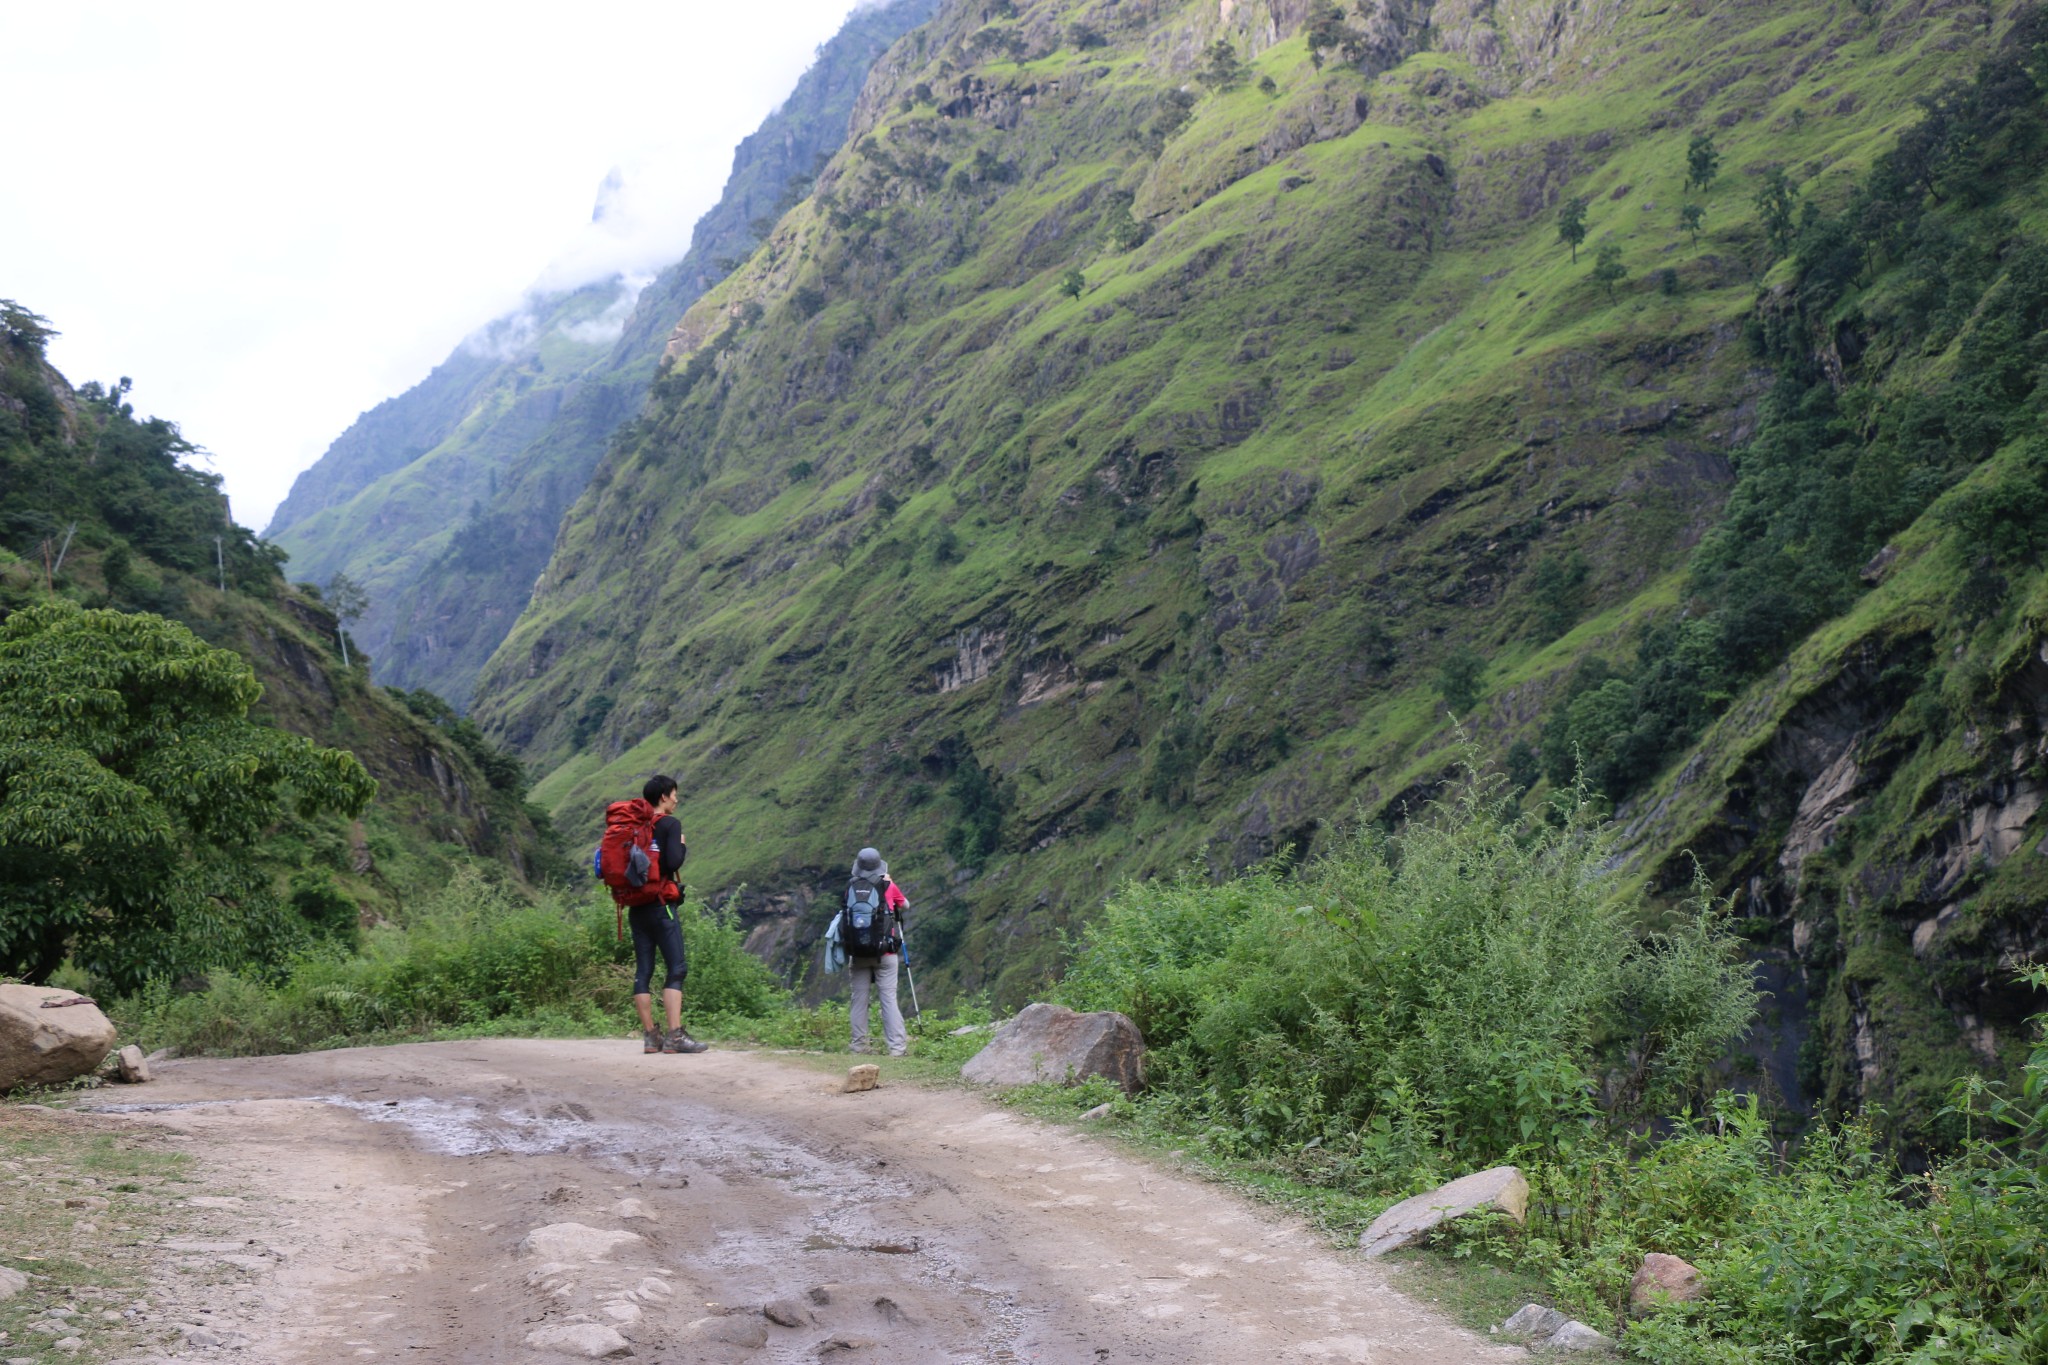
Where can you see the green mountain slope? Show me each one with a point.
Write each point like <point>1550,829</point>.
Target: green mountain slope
<point>140,531</point>
<point>1133,442</point>
<point>444,501</point>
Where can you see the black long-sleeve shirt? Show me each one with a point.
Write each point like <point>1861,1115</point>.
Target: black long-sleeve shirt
<point>668,841</point>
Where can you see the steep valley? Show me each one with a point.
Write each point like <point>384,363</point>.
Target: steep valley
<point>1160,419</point>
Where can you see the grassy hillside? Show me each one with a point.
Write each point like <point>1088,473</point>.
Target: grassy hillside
<point>1161,418</point>
<point>444,501</point>
<point>140,530</point>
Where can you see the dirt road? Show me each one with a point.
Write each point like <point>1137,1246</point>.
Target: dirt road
<point>536,1201</point>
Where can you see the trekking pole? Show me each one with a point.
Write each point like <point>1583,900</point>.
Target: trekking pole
<point>916,1010</point>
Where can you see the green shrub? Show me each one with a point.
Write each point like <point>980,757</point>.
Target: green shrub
<point>1458,992</point>
<point>476,958</point>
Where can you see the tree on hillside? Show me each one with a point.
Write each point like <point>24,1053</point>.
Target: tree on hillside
<point>1459,678</point>
<point>1327,32</point>
<point>1689,217</point>
<point>978,810</point>
<point>1557,586</point>
<point>1702,162</point>
<point>1776,195</point>
<point>348,601</point>
<point>1608,270</point>
<point>1224,71</point>
<point>132,788</point>
<point>1072,283</point>
<point>1571,225</point>
<point>20,327</point>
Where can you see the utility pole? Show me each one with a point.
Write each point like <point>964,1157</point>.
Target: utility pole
<point>220,564</point>
<point>69,532</point>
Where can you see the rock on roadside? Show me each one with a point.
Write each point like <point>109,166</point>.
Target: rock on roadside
<point>49,1046</point>
<point>134,1066</point>
<point>1664,1279</point>
<point>12,1282</point>
<point>1053,1043</point>
<point>1576,1336</point>
<point>1546,1329</point>
<point>1502,1188</point>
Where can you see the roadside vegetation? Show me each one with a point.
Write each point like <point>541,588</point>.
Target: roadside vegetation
<point>1477,988</point>
<point>1480,989</point>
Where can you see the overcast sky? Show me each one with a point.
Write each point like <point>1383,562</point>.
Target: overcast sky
<point>275,216</point>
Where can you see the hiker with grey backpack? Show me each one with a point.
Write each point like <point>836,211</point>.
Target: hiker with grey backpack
<point>867,936</point>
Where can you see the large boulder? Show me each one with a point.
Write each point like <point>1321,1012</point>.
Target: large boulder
<point>1053,1043</point>
<point>41,1046</point>
<point>1502,1189</point>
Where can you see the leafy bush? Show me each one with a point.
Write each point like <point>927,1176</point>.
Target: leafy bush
<point>133,788</point>
<point>1454,993</point>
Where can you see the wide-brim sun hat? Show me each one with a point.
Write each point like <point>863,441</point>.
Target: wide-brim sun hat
<point>868,863</point>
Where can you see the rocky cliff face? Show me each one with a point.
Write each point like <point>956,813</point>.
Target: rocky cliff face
<point>1105,468</point>
<point>444,501</point>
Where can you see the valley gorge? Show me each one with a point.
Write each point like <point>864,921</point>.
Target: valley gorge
<point>1160,436</point>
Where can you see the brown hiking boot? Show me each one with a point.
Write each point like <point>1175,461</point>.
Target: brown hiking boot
<point>679,1040</point>
<point>650,1041</point>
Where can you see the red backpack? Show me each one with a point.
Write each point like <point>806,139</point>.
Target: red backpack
<point>627,860</point>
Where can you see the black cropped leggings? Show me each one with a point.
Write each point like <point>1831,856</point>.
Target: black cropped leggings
<point>657,926</point>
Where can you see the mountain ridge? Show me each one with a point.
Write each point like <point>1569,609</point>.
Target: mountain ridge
<point>443,502</point>
<point>1154,412</point>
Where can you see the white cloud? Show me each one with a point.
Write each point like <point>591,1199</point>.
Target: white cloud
<point>274,217</point>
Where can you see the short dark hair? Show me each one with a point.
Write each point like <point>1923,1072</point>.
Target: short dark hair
<point>656,788</point>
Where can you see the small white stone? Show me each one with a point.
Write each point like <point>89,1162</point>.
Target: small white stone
<point>585,1340</point>
<point>576,1242</point>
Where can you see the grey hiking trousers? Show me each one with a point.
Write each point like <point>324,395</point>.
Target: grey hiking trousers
<point>881,975</point>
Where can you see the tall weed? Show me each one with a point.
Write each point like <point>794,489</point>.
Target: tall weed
<point>475,958</point>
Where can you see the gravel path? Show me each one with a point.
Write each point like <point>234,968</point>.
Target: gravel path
<point>538,1201</point>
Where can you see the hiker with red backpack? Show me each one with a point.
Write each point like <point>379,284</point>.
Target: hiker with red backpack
<point>638,859</point>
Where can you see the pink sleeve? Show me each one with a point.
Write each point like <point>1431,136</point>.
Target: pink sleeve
<point>894,899</point>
